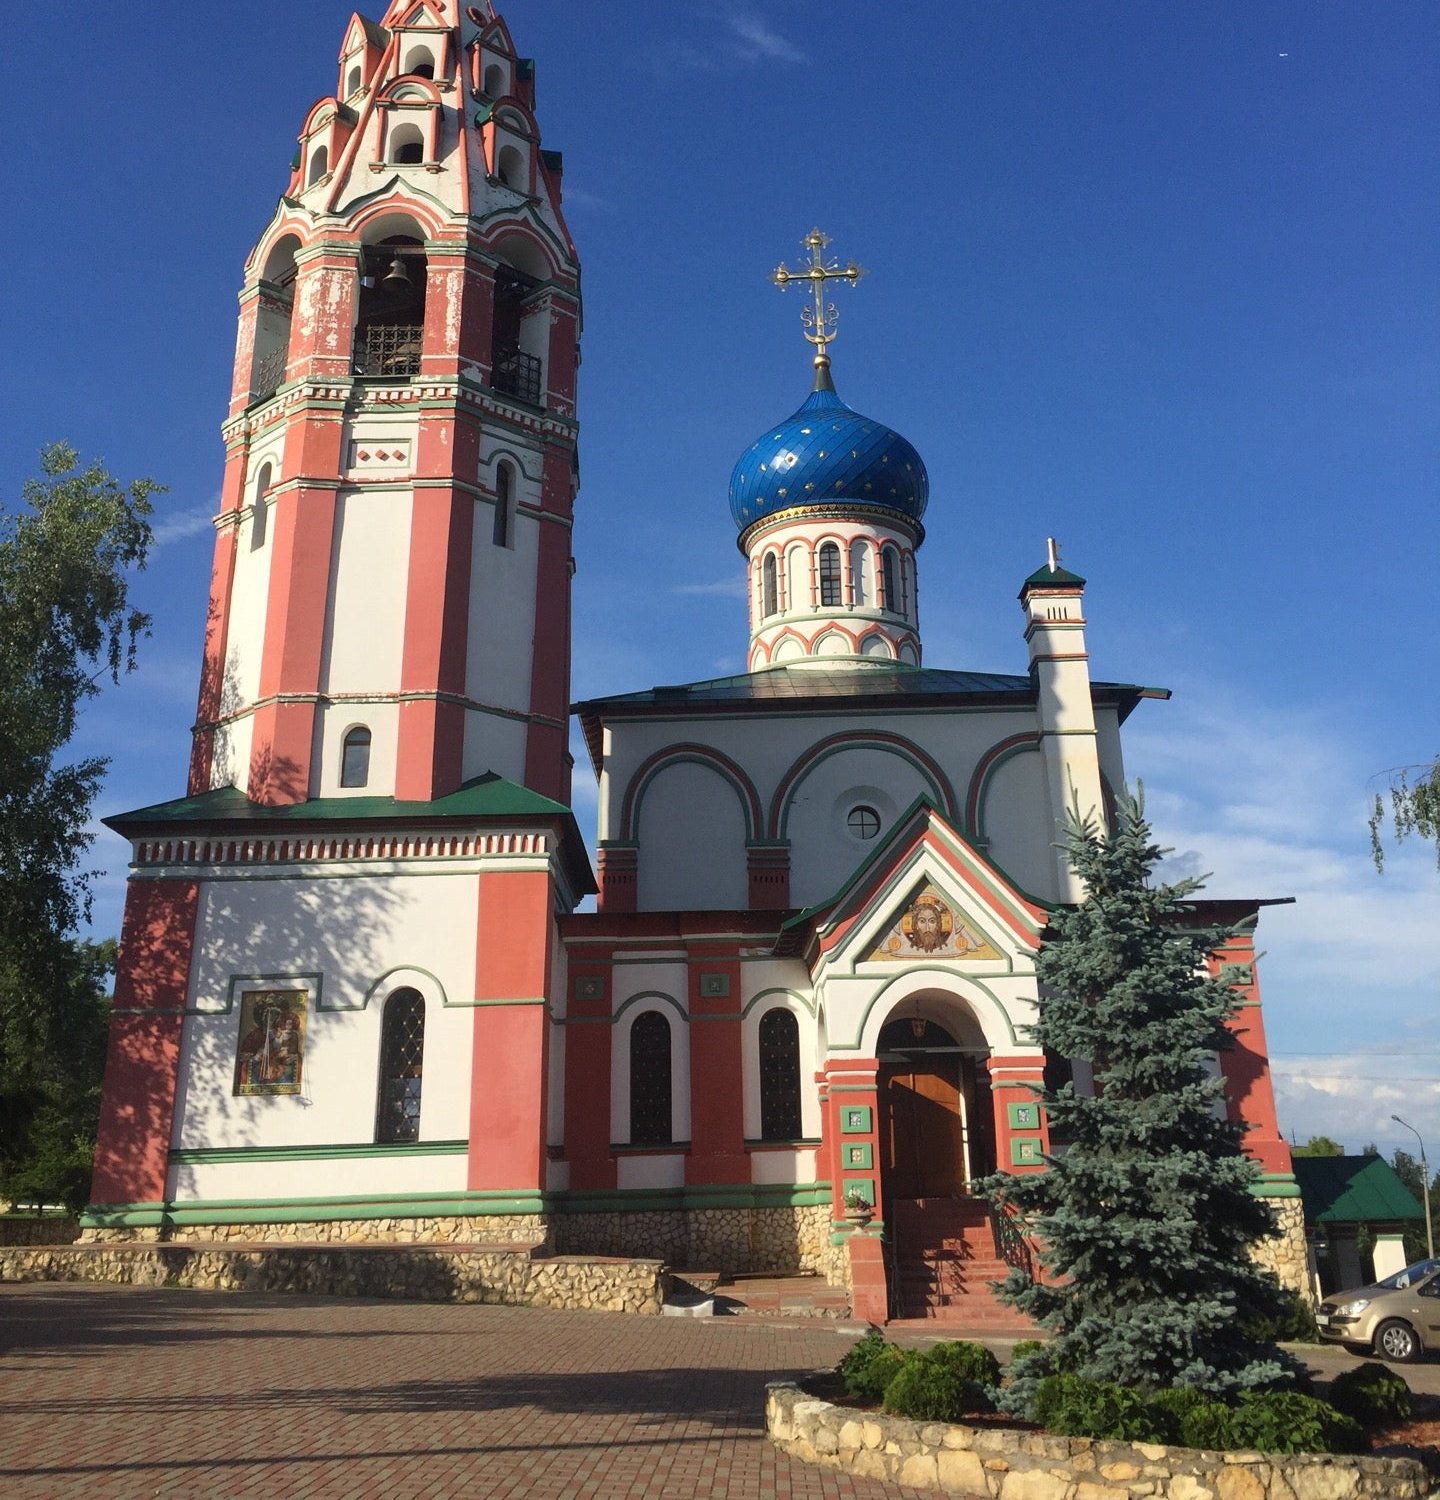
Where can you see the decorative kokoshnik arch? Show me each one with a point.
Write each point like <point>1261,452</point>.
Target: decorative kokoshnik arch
<point>893,744</point>
<point>693,754</point>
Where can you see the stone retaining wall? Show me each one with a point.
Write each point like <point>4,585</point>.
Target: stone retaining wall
<point>422,1273</point>
<point>38,1229</point>
<point>720,1239</point>
<point>1009,1464</point>
<point>521,1230</point>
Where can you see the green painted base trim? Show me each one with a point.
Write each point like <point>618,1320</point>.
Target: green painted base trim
<point>1275,1185</point>
<point>202,1211</point>
<point>216,1155</point>
<point>708,1195</point>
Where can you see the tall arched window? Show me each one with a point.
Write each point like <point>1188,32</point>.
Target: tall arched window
<point>650,1080</point>
<point>861,586</point>
<point>504,487</point>
<point>319,165</point>
<point>770,585</point>
<point>260,509</point>
<point>829,576</point>
<point>402,1057</point>
<point>780,1077</point>
<point>355,757</point>
<point>889,580</point>
<point>407,145</point>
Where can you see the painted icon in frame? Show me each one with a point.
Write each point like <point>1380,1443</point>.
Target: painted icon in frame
<point>271,1052</point>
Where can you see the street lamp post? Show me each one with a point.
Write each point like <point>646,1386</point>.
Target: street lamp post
<point>1425,1185</point>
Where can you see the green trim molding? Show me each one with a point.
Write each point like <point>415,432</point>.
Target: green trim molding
<point>202,1211</point>
<point>216,1155</point>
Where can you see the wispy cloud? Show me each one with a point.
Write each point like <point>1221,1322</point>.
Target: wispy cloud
<point>757,41</point>
<point>750,39</point>
<point>579,198</point>
<point>192,521</point>
<point>1272,803</point>
<point>728,588</point>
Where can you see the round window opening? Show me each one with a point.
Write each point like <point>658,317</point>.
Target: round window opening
<point>863,822</point>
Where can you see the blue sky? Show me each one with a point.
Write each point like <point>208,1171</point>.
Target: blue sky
<point>1158,280</point>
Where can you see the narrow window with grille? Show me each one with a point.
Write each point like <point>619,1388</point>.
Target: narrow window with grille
<point>771,604</point>
<point>829,575</point>
<point>779,1077</point>
<point>402,1054</point>
<point>650,1080</point>
<point>887,578</point>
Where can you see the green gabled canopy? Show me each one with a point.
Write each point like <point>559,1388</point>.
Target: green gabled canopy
<point>483,799</point>
<point>1353,1190</point>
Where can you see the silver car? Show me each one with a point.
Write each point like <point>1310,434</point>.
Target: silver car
<point>1398,1317</point>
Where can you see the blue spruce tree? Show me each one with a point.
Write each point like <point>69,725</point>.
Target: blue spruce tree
<point>1145,1221</point>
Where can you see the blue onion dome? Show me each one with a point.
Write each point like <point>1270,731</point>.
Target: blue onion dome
<point>827,454</point>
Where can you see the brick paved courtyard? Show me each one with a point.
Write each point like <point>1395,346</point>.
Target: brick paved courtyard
<point>107,1391</point>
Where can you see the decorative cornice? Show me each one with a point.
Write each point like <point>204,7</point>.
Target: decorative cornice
<point>844,510</point>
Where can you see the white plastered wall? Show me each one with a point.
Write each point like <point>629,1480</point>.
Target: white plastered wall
<point>363,935</point>
<point>692,841</point>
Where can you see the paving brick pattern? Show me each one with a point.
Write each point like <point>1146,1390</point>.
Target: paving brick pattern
<point>117,1392</point>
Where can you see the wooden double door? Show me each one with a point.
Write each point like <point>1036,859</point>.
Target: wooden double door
<point>937,1127</point>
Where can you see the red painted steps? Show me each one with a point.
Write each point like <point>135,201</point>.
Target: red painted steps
<point>944,1261</point>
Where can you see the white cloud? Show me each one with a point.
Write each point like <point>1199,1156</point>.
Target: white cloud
<point>759,42</point>
<point>193,521</point>
<point>1271,802</point>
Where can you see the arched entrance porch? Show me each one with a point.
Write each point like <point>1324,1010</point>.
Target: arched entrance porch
<point>937,1121</point>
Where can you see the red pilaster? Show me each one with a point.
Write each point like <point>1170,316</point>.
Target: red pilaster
<point>717,1121</point>
<point>618,875</point>
<point>869,1287</point>
<point>322,328</point>
<point>142,1064</point>
<point>588,1035</point>
<point>437,611</point>
<point>217,624</point>
<point>284,735</point>
<point>547,768</point>
<point>1249,1092</point>
<point>1014,1081</point>
<point>768,868</point>
<point>510,1057</point>
<point>854,1121</point>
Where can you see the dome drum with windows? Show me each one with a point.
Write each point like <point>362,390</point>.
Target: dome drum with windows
<point>829,505</point>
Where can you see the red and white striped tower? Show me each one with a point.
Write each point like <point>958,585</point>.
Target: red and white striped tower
<point>394,530</point>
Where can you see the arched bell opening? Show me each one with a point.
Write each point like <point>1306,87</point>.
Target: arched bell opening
<point>276,303</point>
<point>937,1122</point>
<point>390,326</point>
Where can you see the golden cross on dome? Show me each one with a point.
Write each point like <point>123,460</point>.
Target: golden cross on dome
<point>822,319</point>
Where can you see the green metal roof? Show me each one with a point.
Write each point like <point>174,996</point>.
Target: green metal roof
<point>1353,1190</point>
<point>1055,578</point>
<point>809,684</point>
<point>485,797</point>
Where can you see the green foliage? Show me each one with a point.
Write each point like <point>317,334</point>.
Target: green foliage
<point>930,1385</point>
<point>50,1121</point>
<point>860,1353</point>
<point>1414,793</point>
<point>1027,1349</point>
<point>1073,1406</point>
<point>1271,1421</point>
<point>969,1360</point>
<point>1287,1422</point>
<point>868,1378</point>
<point>66,622</point>
<point>1147,1221</point>
<point>1373,1394</point>
<point>1319,1145</point>
<point>1293,1323</point>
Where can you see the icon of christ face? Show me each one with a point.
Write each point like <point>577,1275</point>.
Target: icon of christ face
<point>927,932</point>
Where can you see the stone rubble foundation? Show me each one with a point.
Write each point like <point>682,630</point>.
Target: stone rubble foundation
<point>521,1230</point>
<point>427,1273</point>
<point>1010,1464</point>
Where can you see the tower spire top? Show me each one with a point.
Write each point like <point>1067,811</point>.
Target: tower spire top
<point>822,319</point>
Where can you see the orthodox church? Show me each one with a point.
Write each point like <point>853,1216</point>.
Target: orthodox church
<point>357,998</point>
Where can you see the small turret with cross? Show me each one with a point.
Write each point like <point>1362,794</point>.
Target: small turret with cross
<point>821,320</point>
